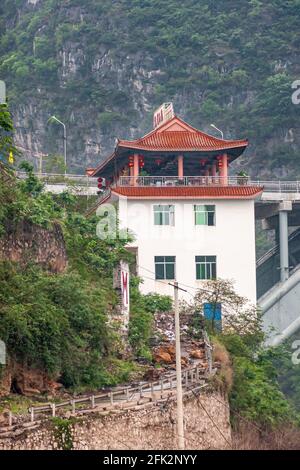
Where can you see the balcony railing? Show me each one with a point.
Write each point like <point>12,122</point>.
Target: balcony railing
<point>184,181</point>
<point>269,186</point>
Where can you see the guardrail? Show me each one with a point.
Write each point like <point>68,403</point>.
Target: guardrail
<point>125,398</point>
<point>84,180</point>
<point>268,186</point>
<point>57,179</point>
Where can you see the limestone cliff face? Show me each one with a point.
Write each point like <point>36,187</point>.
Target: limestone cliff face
<point>26,242</point>
<point>103,67</point>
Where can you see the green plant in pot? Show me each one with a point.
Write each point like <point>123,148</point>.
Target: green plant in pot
<point>242,178</point>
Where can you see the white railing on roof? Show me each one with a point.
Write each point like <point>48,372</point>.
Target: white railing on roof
<point>269,186</point>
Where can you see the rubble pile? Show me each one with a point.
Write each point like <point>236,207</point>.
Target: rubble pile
<point>164,354</point>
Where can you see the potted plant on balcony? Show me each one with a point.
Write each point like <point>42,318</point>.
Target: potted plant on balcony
<point>242,178</point>
<point>141,180</point>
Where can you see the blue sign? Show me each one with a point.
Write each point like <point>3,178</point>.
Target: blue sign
<point>213,312</point>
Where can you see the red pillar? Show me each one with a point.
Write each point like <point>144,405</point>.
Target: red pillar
<point>180,166</point>
<point>135,167</point>
<point>214,170</point>
<point>224,169</point>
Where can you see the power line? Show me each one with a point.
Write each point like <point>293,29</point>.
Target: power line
<point>211,419</point>
<point>179,282</point>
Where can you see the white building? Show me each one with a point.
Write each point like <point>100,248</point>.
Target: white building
<point>190,220</point>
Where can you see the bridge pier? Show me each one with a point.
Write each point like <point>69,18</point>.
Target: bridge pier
<point>284,208</point>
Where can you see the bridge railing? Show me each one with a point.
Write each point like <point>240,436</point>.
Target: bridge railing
<point>59,179</point>
<point>268,186</point>
<point>277,186</point>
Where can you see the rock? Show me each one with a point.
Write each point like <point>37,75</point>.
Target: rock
<point>197,354</point>
<point>163,357</point>
<point>18,378</point>
<point>171,350</point>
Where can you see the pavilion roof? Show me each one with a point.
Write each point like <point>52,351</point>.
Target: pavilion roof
<point>177,135</point>
<point>173,136</point>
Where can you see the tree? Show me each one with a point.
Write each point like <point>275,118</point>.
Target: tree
<point>6,134</point>
<point>238,314</point>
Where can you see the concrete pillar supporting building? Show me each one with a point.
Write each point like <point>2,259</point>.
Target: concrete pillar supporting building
<point>284,208</point>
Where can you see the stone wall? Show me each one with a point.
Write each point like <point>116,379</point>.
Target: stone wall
<point>26,242</point>
<point>151,427</point>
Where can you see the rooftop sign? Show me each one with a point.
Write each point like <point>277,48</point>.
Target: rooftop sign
<point>164,113</point>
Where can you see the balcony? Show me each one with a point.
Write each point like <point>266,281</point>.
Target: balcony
<point>196,181</point>
<point>208,181</point>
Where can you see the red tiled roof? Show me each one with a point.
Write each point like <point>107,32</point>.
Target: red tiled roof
<point>196,192</point>
<point>183,138</point>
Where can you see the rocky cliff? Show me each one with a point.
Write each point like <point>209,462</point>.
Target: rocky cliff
<point>102,67</point>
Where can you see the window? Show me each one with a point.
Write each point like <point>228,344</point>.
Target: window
<point>164,267</point>
<point>164,215</point>
<point>206,267</point>
<point>205,215</point>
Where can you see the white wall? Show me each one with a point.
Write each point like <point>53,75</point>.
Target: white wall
<point>231,240</point>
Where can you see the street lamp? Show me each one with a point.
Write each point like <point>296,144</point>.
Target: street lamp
<point>54,118</point>
<point>217,129</point>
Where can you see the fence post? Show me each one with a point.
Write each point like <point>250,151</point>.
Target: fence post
<point>73,403</point>
<point>32,415</point>
<point>10,419</point>
<point>93,401</point>
<point>111,398</point>
<point>53,409</point>
<point>161,387</point>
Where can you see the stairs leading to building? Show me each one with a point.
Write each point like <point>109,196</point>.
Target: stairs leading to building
<point>280,301</point>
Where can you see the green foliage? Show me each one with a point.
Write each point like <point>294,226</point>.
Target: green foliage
<point>59,323</point>
<point>233,62</point>
<point>140,323</point>
<point>286,361</point>
<point>63,433</point>
<point>25,199</point>
<point>6,134</point>
<point>157,303</point>
<point>256,394</point>
<point>55,323</point>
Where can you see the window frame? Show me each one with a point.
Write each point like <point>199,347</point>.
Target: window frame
<point>206,266</point>
<point>166,213</point>
<point>165,262</point>
<point>206,213</point>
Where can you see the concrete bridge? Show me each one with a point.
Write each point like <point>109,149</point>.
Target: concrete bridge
<point>278,271</point>
<point>79,185</point>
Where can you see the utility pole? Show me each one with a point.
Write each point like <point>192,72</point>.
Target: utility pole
<point>180,428</point>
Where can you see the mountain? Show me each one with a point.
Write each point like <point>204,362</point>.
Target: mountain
<point>103,66</point>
